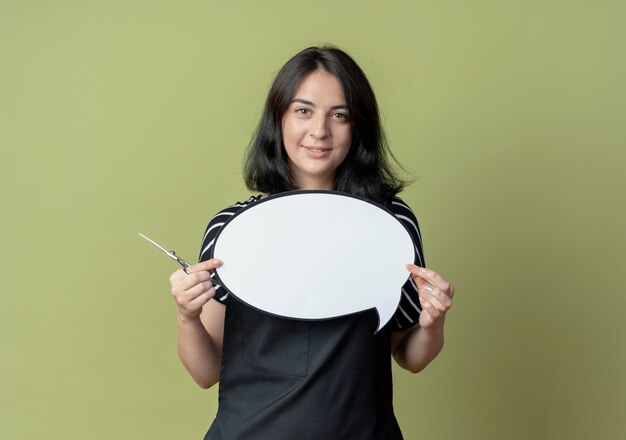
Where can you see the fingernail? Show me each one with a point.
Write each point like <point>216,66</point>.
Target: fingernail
<point>428,288</point>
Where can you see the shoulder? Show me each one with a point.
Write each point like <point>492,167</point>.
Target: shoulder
<point>408,311</point>
<point>218,221</point>
<point>403,212</point>
<point>212,229</point>
<point>400,207</point>
<point>235,207</point>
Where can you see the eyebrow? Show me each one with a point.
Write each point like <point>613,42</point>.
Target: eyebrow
<point>312,104</point>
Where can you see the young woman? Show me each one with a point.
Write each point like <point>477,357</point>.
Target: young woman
<point>330,379</point>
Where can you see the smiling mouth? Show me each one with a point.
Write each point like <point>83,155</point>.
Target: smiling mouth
<point>316,149</point>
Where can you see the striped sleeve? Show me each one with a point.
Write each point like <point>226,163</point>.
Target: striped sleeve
<point>409,309</point>
<point>210,234</point>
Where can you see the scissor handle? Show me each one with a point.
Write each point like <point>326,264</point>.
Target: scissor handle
<point>181,262</point>
<point>186,265</point>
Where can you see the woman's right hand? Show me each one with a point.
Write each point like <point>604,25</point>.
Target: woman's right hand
<point>193,290</point>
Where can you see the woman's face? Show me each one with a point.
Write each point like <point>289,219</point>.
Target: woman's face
<point>316,131</point>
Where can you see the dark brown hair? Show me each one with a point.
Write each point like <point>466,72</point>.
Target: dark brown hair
<point>366,171</point>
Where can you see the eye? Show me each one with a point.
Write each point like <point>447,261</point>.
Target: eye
<point>340,116</point>
<point>302,111</point>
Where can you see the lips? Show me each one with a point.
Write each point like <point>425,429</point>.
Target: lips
<point>316,149</point>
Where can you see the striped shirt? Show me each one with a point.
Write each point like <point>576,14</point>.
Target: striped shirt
<point>408,311</point>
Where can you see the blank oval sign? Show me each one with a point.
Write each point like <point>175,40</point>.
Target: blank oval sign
<point>315,255</point>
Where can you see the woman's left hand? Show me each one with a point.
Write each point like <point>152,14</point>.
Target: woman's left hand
<point>435,295</point>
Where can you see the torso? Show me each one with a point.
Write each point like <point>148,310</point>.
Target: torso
<point>289,379</point>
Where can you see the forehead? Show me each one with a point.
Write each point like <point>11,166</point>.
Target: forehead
<point>321,88</point>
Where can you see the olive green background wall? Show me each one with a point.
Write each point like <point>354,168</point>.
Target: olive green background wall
<point>118,117</point>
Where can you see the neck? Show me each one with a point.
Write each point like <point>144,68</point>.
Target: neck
<point>316,184</point>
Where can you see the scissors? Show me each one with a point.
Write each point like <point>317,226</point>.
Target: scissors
<point>173,256</point>
<point>170,254</point>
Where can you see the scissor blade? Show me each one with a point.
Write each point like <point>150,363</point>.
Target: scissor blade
<point>159,246</point>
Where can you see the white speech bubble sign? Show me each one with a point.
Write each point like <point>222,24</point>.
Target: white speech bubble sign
<point>315,255</point>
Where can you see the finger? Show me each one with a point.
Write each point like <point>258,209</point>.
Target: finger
<point>423,285</point>
<point>186,298</point>
<point>207,265</point>
<point>202,299</point>
<point>428,307</point>
<point>191,308</point>
<point>178,275</point>
<point>442,304</point>
<point>440,296</point>
<point>198,289</point>
<point>429,275</point>
<point>193,279</point>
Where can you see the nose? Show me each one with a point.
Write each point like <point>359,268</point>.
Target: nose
<point>319,127</point>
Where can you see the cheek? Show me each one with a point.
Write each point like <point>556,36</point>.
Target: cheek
<point>284,129</point>
<point>290,132</point>
<point>347,138</point>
